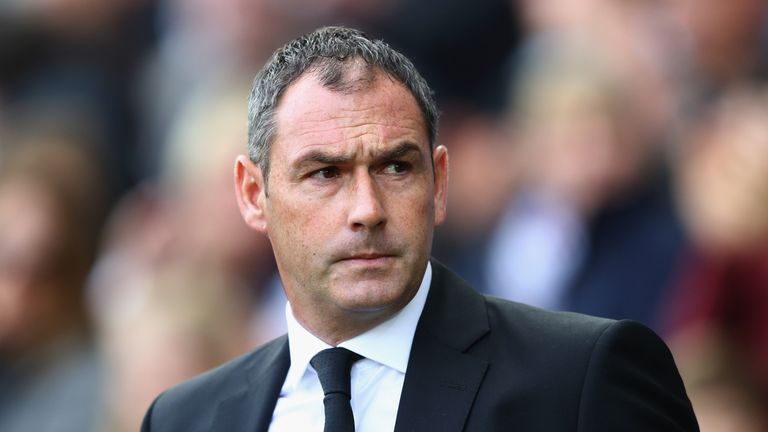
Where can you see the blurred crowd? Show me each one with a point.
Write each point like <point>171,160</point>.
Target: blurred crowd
<point>608,157</point>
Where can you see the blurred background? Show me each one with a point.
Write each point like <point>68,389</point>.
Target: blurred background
<point>608,157</point>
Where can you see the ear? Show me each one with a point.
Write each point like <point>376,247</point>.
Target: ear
<point>251,196</point>
<point>440,161</point>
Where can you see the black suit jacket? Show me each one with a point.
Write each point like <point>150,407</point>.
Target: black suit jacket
<point>477,364</point>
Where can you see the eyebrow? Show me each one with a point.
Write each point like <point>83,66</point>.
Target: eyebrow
<point>399,151</point>
<point>323,157</point>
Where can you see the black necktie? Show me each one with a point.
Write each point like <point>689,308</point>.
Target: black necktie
<point>332,366</point>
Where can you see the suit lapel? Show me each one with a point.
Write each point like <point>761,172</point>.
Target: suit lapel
<point>442,380</point>
<point>250,408</point>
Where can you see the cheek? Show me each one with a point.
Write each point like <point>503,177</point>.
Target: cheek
<point>415,213</point>
<point>298,230</point>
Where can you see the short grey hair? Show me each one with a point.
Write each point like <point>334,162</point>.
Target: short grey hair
<point>331,53</point>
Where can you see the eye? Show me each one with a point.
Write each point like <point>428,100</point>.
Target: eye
<point>326,173</point>
<point>397,167</point>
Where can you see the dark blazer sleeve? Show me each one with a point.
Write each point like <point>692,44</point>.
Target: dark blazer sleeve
<point>632,384</point>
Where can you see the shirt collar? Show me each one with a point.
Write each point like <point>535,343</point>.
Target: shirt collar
<point>389,343</point>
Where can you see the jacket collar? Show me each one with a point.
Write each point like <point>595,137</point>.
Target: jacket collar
<point>442,380</point>
<point>251,405</point>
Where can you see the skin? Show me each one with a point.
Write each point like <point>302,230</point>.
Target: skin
<point>353,198</point>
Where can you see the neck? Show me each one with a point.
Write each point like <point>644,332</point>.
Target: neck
<point>334,329</point>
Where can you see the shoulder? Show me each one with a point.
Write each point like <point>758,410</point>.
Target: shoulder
<point>574,337</point>
<point>542,322</point>
<point>614,372</point>
<point>562,341</point>
<point>199,397</point>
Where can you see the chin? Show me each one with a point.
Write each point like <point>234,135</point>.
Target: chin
<point>374,295</point>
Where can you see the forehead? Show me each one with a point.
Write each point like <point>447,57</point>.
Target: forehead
<point>310,114</point>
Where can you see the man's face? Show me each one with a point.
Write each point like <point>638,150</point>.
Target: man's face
<point>352,199</point>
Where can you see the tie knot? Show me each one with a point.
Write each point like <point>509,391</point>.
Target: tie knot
<point>332,366</point>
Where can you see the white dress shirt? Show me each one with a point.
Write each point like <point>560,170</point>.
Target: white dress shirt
<point>376,380</point>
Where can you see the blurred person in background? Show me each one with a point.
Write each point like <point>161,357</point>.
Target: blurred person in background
<point>182,283</point>
<point>185,324</point>
<point>50,214</point>
<point>641,41</point>
<point>591,226</point>
<point>196,41</point>
<point>726,43</point>
<point>65,56</point>
<point>208,133</point>
<point>484,173</point>
<point>719,321</point>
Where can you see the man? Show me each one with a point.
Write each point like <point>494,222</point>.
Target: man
<point>345,179</point>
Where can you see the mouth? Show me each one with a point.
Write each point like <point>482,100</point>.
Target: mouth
<point>368,258</point>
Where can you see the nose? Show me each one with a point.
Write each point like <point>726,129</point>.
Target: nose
<point>365,206</point>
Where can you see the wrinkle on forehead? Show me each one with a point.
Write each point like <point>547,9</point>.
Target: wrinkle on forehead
<point>351,127</point>
<point>359,149</point>
<point>311,115</point>
<point>357,139</point>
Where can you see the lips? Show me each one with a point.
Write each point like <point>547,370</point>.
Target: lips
<point>371,251</point>
<point>367,256</point>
